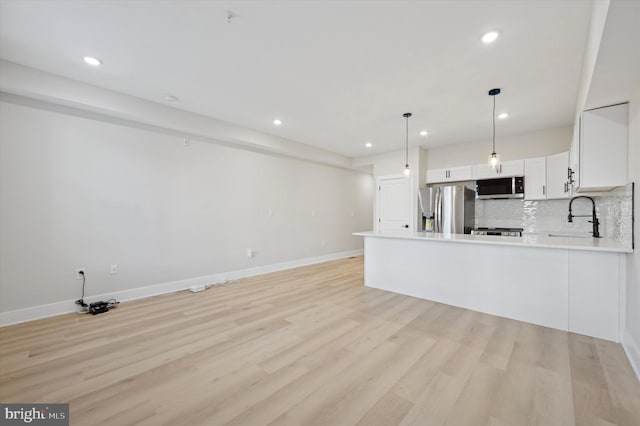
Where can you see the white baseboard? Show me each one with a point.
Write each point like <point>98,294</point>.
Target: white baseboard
<point>632,350</point>
<point>67,306</point>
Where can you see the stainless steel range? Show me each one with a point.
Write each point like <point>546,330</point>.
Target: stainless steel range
<point>504,232</point>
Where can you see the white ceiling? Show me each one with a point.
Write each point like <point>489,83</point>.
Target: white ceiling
<point>337,73</point>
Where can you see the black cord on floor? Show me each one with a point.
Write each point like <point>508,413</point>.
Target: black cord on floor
<point>81,300</point>
<point>96,307</point>
<point>84,280</point>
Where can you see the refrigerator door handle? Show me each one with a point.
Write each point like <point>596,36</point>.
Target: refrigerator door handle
<point>438,210</point>
<point>441,227</point>
<point>436,218</point>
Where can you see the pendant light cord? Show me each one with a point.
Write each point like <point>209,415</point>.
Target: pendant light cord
<point>494,125</point>
<point>406,159</point>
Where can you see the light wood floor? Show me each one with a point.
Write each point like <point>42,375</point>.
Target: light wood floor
<point>313,346</point>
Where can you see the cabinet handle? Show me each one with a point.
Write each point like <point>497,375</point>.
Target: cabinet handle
<point>544,190</point>
<point>566,187</point>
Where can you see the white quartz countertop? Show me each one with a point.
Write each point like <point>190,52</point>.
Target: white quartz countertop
<point>527,240</point>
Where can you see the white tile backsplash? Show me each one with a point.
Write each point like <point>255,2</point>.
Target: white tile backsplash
<point>614,211</point>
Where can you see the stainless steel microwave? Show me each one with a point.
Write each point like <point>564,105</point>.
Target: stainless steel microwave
<point>508,187</point>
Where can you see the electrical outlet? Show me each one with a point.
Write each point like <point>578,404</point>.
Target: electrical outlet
<point>79,273</point>
<point>250,253</point>
<point>113,269</point>
<point>186,142</point>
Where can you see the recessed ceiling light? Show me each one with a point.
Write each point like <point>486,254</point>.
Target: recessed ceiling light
<point>368,144</point>
<point>94,62</point>
<point>277,122</point>
<point>424,133</point>
<point>503,115</point>
<point>170,98</point>
<point>490,37</point>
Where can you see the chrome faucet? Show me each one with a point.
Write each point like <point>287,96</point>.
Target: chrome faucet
<point>594,218</point>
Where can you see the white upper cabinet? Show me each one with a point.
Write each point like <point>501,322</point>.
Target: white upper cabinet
<point>483,171</point>
<point>558,176</point>
<point>505,169</point>
<point>453,174</point>
<point>573,155</point>
<point>602,148</point>
<point>437,175</point>
<point>547,177</point>
<point>535,178</point>
<point>460,173</point>
<point>512,168</point>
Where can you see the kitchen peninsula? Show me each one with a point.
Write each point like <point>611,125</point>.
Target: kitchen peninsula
<point>567,283</point>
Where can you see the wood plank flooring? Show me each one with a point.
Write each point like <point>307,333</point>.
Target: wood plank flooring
<point>313,346</point>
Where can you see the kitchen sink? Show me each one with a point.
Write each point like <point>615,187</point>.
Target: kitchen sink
<point>569,236</point>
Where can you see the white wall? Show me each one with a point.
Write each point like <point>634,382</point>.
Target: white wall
<point>633,259</point>
<point>43,86</point>
<point>527,145</point>
<point>392,164</point>
<point>77,192</point>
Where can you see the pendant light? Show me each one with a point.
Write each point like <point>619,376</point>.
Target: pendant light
<point>407,169</point>
<point>494,159</point>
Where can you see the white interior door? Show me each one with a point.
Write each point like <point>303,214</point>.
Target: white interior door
<point>394,204</point>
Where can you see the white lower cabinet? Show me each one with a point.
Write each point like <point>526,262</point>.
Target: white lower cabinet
<point>594,294</point>
<point>572,290</point>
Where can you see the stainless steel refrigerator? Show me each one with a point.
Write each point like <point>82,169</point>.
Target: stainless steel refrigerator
<point>451,207</point>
